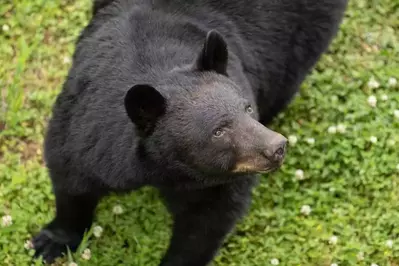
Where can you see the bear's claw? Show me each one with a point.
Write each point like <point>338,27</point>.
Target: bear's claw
<point>51,246</point>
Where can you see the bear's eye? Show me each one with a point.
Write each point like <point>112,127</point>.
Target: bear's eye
<point>218,132</point>
<point>249,109</point>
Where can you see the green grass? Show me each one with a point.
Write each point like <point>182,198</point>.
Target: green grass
<point>351,184</point>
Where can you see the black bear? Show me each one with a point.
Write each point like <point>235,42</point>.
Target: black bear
<point>175,94</point>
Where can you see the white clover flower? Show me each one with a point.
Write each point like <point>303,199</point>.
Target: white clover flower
<point>117,209</point>
<point>299,174</point>
<point>28,244</point>
<point>334,98</point>
<point>391,142</point>
<point>397,167</point>
<point>373,84</point>
<point>341,128</point>
<point>86,255</point>
<point>373,139</point>
<point>369,37</point>
<point>392,82</point>
<point>360,256</point>
<point>6,220</point>
<point>66,60</point>
<point>292,140</point>
<point>97,231</point>
<point>333,240</point>
<point>384,97</point>
<point>72,264</point>
<point>389,243</point>
<point>334,264</point>
<point>396,113</point>
<point>310,141</point>
<point>374,264</point>
<point>274,261</point>
<point>332,130</point>
<point>372,101</point>
<point>306,210</point>
<point>5,27</point>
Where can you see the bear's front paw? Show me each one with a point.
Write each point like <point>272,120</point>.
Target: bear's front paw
<point>53,244</point>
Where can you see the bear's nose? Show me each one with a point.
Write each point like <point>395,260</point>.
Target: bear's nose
<point>280,151</point>
<point>276,150</point>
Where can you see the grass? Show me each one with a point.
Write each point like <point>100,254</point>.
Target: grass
<point>351,181</point>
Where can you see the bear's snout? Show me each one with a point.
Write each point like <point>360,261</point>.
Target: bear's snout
<point>259,149</point>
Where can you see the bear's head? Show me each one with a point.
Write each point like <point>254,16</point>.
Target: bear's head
<point>197,120</point>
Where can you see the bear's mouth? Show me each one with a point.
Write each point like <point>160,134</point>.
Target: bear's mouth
<point>250,168</point>
<point>269,169</point>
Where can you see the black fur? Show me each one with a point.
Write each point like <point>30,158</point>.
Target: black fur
<point>169,93</point>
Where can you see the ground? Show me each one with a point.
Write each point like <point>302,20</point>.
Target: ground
<point>343,207</point>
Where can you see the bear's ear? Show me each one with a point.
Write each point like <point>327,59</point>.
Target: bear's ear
<point>144,105</point>
<point>214,54</point>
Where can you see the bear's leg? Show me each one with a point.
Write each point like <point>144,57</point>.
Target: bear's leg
<point>202,219</point>
<point>74,215</point>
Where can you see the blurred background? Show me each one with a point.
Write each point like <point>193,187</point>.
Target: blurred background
<point>334,202</point>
